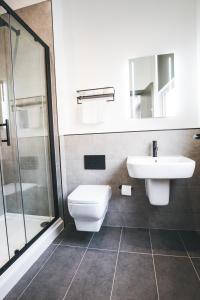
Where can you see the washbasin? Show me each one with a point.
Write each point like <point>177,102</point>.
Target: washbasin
<point>161,167</point>
<point>157,172</point>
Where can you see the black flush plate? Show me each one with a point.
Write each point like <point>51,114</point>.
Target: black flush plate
<point>94,162</point>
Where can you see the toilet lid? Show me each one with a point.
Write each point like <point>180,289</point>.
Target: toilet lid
<point>90,194</point>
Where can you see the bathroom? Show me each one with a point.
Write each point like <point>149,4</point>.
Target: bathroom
<point>100,149</point>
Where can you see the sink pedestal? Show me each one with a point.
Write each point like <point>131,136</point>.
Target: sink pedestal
<point>158,191</point>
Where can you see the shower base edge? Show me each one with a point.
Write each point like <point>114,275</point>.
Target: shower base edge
<point>16,271</point>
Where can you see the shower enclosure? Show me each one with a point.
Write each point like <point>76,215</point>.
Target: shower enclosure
<point>28,201</point>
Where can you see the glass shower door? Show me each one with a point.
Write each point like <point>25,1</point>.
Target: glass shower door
<point>9,157</point>
<point>26,184</point>
<point>29,73</point>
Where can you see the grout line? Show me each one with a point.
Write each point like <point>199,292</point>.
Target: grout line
<point>125,251</point>
<point>135,252</point>
<point>103,249</point>
<point>72,246</point>
<point>188,255</point>
<point>44,264</point>
<point>114,275</point>
<point>152,228</point>
<point>171,255</point>
<point>155,254</point>
<point>154,265</point>
<point>78,268</point>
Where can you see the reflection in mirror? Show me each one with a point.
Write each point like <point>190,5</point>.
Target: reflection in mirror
<point>152,86</point>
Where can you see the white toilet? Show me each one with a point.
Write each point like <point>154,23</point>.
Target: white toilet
<point>88,205</point>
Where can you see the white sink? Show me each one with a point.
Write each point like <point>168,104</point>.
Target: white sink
<point>165,167</point>
<point>157,172</point>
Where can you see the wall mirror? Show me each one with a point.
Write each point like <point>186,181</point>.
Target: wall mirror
<point>152,86</point>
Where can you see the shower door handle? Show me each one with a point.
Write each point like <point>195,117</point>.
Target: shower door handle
<point>6,125</point>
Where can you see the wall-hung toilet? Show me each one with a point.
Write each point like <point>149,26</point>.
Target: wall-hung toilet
<point>88,205</point>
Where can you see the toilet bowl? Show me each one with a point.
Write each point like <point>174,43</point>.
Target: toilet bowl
<point>88,205</point>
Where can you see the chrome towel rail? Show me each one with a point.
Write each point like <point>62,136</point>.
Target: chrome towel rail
<point>107,93</point>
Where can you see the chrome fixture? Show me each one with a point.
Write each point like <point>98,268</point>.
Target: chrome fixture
<point>106,93</point>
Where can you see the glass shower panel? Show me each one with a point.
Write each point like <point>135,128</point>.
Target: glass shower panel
<point>32,130</point>
<point>4,250</point>
<point>10,173</point>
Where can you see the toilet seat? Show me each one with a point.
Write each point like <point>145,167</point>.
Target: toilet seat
<point>89,194</point>
<point>88,205</point>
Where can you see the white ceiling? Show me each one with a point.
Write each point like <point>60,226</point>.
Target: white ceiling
<point>16,4</point>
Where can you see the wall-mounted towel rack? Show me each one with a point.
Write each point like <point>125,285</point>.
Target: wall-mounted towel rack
<point>98,93</point>
<point>30,101</point>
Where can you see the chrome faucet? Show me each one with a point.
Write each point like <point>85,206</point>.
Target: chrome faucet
<point>155,149</point>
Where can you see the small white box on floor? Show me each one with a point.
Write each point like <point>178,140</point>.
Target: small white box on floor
<point>126,190</point>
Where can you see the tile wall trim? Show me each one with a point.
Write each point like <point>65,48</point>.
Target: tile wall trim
<point>136,131</point>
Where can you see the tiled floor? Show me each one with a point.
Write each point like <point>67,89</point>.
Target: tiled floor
<point>116,264</point>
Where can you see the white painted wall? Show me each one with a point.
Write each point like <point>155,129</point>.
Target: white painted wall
<point>94,40</point>
<point>198,45</point>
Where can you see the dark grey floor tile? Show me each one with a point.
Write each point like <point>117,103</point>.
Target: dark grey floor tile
<point>52,281</point>
<point>196,262</point>
<point>135,278</point>
<point>94,278</point>
<point>167,242</point>
<point>129,204</point>
<point>171,220</point>
<point>176,278</point>
<point>135,240</point>
<point>22,284</point>
<point>70,236</point>
<point>106,238</point>
<point>113,218</point>
<point>192,242</point>
<point>136,219</point>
